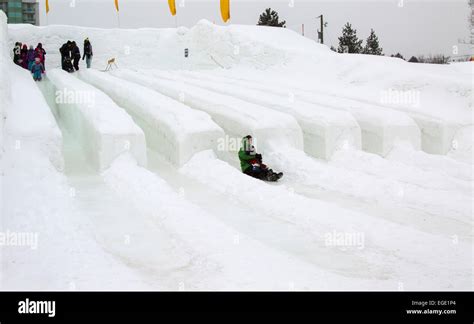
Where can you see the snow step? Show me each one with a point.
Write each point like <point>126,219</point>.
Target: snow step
<point>171,128</point>
<point>325,130</point>
<point>237,117</point>
<point>102,128</point>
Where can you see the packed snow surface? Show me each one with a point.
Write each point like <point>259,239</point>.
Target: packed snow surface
<point>130,180</point>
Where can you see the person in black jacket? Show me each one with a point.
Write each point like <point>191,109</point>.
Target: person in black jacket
<point>65,54</point>
<point>87,52</point>
<point>76,55</point>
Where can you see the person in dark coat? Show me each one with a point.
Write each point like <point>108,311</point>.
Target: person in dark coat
<point>24,56</point>
<point>65,51</point>
<point>87,52</point>
<point>76,55</point>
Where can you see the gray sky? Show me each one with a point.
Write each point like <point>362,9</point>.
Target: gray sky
<point>413,28</point>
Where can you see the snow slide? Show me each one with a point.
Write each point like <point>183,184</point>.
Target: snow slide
<point>301,170</point>
<point>171,128</point>
<point>103,129</point>
<point>400,152</point>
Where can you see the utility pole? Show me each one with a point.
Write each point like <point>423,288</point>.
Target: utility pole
<point>321,31</point>
<point>470,42</point>
<point>471,25</point>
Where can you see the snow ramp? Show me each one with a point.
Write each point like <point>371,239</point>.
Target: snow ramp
<point>237,117</point>
<point>171,128</point>
<point>102,128</point>
<point>324,130</point>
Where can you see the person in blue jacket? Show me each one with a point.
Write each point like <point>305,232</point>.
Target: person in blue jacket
<point>37,69</point>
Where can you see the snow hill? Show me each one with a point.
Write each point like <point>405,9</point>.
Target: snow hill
<point>129,179</point>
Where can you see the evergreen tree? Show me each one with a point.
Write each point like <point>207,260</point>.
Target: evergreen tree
<point>413,59</point>
<point>349,39</point>
<point>398,55</point>
<point>270,18</point>
<point>372,46</point>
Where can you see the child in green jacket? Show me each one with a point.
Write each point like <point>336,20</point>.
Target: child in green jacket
<point>251,162</point>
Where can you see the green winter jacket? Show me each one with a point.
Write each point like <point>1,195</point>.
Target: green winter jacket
<point>245,156</point>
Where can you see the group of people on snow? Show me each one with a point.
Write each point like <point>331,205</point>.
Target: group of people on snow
<point>32,59</point>
<point>71,55</point>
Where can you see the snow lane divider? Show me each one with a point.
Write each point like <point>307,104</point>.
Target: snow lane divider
<point>237,117</point>
<point>171,128</point>
<point>325,130</point>
<point>382,128</point>
<point>436,134</point>
<point>102,128</point>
